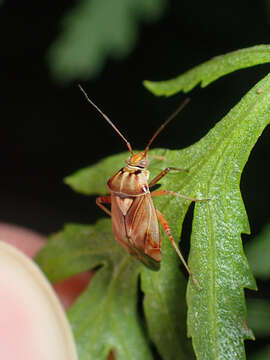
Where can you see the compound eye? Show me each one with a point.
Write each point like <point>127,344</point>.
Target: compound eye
<point>128,160</point>
<point>143,163</point>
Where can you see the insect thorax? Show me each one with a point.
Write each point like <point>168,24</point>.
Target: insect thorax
<point>130,181</point>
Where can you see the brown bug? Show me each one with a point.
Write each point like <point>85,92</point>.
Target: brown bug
<point>134,217</point>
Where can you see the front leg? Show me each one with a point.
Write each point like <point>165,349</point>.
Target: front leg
<point>163,173</point>
<point>104,200</point>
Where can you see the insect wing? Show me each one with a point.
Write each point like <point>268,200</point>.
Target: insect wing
<point>118,223</point>
<point>135,226</point>
<point>142,226</point>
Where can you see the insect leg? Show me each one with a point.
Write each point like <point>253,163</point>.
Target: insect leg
<point>156,157</point>
<point>104,200</point>
<point>168,232</point>
<point>163,173</point>
<point>168,192</point>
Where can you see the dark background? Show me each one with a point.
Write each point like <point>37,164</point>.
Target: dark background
<point>48,131</point>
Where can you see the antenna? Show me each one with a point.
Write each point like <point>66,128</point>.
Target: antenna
<point>106,118</point>
<point>170,118</point>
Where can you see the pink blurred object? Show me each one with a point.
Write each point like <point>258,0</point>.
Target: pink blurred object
<point>28,241</point>
<point>32,323</point>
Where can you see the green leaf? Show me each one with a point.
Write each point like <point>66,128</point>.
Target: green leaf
<point>258,253</point>
<point>217,313</point>
<point>85,180</point>
<point>105,317</point>
<point>259,317</point>
<point>95,30</point>
<point>74,251</point>
<point>209,71</point>
<point>165,309</point>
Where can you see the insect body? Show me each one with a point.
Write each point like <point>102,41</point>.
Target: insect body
<point>135,220</point>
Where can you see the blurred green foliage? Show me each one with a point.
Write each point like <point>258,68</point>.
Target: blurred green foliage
<point>258,253</point>
<point>259,317</point>
<point>95,30</point>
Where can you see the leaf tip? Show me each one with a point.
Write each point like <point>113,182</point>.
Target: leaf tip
<point>148,84</point>
<point>68,180</point>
